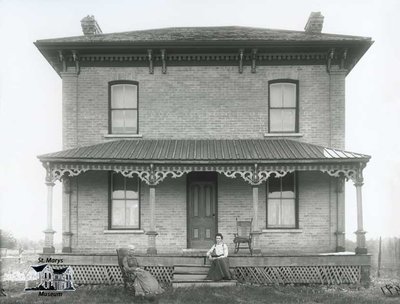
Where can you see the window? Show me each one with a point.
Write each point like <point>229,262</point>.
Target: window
<point>125,202</point>
<point>123,114</point>
<point>283,106</point>
<point>282,202</point>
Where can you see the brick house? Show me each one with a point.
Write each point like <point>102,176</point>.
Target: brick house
<point>171,134</point>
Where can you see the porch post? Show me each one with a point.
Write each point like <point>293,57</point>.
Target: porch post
<point>255,229</point>
<point>49,232</point>
<point>151,249</point>
<point>66,237</point>
<point>340,232</point>
<point>361,246</point>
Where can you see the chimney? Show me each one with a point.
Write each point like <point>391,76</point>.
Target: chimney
<point>314,23</point>
<point>90,26</point>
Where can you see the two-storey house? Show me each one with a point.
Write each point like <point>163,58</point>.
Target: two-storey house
<point>170,135</point>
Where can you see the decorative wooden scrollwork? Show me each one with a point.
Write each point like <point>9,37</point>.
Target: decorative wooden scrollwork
<point>151,177</point>
<point>346,173</point>
<point>58,174</point>
<point>254,177</point>
<point>254,174</point>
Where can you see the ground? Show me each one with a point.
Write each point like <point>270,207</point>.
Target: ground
<point>13,285</point>
<point>238,294</point>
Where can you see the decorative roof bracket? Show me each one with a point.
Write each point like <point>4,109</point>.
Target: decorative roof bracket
<point>253,60</point>
<point>164,63</point>
<point>329,61</point>
<point>61,58</point>
<point>241,60</point>
<point>343,59</point>
<point>150,57</point>
<point>75,58</point>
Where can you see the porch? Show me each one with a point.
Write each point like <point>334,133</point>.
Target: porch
<point>154,161</point>
<point>325,268</point>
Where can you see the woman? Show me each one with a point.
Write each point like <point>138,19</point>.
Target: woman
<point>218,255</point>
<point>143,282</point>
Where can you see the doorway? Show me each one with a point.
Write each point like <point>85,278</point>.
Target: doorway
<point>202,209</point>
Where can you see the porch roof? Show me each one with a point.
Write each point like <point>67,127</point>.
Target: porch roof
<point>223,151</point>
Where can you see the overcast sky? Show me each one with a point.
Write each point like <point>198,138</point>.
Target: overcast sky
<point>30,91</point>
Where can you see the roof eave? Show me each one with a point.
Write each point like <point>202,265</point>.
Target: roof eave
<point>205,162</point>
<point>201,43</point>
<point>360,45</point>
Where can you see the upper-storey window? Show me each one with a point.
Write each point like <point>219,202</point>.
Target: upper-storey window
<point>123,107</point>
<point>283,106</point>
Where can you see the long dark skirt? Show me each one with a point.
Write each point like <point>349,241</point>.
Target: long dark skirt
<point>219,270</point>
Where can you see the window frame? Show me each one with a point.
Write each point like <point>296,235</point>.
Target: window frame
<point>110,109</point>
<point>296,123</point>
<point>110,189</point>
<point>296,204</point>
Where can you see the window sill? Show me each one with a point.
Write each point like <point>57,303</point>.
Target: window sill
<point>282,230</point>
<point>123,231</point>
<point>283,135</point>
<point>123,135</point>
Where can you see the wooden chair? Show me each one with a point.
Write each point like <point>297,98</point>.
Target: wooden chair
<point>122,253</point>
<point>243,235</point>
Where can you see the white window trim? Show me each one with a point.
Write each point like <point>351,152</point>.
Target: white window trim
<point>116,231</point>
<point>123,136</point>
<point>282,230</point>
<point>283,134</point>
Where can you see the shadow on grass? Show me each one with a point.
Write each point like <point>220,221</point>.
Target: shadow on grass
<point>239,294</point>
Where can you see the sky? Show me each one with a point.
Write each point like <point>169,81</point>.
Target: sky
<point>31,96</point>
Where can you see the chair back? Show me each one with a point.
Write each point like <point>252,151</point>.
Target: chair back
<point>121,253</point>
<point>243,228</point>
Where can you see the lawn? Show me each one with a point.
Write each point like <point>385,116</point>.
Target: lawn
<point>238,294</point>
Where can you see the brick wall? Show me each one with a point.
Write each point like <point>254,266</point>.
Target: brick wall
<point>205,101</point>
<point>317,215</point>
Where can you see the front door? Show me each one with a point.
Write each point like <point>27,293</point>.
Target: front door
<point>202,209</point>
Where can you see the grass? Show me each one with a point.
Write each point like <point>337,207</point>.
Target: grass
<point>239,294</point>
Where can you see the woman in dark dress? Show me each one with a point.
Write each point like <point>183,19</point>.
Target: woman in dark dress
<point>218,255</point>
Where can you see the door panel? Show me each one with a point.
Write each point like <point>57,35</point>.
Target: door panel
<point>202,212</point>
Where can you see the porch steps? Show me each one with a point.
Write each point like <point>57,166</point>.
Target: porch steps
<point>194,276</point>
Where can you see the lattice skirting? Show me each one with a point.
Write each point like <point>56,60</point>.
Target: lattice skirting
<point>299,274</point>
<point>111,274</point>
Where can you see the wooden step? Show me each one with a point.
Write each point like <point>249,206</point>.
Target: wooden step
<point>199,283</point>
<point>191,269</point>
<point>189,276</point>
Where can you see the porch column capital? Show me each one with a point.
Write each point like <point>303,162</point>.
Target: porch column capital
<point>357,177</point>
